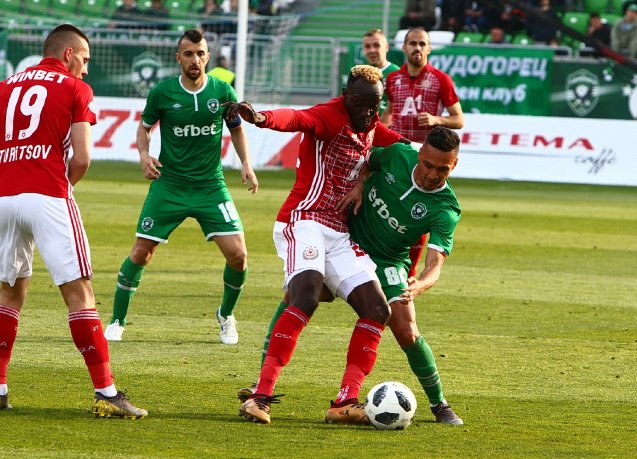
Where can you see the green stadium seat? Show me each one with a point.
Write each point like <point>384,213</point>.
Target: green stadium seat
<point>94,8</point>
<point>611,18</point>
<point>469,37</point>
<point>617,6</point>
<point>522,39</point>
<point>600,6</point>
<point>63,8</point>
<point>11,6</point>
<point>576,20</point>
<point>36,8</point>
<point>178,8</point>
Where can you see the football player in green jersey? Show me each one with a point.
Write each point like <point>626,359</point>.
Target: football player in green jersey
<point>375,48</point>
<point>406,195</point>
<point>187,179</point>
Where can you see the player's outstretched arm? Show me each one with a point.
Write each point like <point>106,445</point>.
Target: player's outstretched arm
<point>245,110</point>
<point>240,143</point>
<point>148,164</point>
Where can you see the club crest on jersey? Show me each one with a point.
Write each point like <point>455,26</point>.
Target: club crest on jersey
<point>418,211</point>
<point>390,178</point>
<point>310,253</point>
<point>213,105</point>
<point>147,223</point>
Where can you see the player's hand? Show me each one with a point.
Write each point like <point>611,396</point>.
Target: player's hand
<point>149,166</point>
<point>247,174</point>
<point>245,110</point>
<point>427,119</point>
<point>413,289</point>
<point>354,197</point>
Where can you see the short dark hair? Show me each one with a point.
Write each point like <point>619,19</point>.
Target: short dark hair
<point>594,14</point>
<point>61,37</point>
<point>443,139</point>
<point>192,35</point>
<point>416,28</point>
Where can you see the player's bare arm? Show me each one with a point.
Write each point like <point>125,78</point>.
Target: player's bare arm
<point>148,163</point>
<point>240,143</point>
<point>245,110</point>
<point>80,141</point>
<point>428,277</point>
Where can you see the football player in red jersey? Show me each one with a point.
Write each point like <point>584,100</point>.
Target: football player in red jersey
<point>45,110</point>
<point>312,239</point>
<point>417,94</point>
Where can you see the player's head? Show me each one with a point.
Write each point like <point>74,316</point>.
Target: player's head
<point>192,54</point>
<point>375,47</point>
<point>70,45</point>
<point>417,47</point>
<point>362,95</point>
<point>437,158</point>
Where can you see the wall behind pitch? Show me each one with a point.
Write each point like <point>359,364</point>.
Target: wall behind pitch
<point>502,147</point>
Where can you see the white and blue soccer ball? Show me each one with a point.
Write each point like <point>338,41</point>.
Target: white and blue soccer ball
<point>390,406</point>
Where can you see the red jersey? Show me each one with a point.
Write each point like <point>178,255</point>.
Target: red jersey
<point>331,155</point>
<point>430,91</point>
<point>37,108</point>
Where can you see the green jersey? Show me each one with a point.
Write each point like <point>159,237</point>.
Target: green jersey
<point>395,212</point>
<point>389,68</point>
<point>191,128</point>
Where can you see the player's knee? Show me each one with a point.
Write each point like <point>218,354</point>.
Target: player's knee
<point>238,260</point>
<point>379,312</point>
<point>405,333</point>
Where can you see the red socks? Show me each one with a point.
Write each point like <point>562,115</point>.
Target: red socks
<point>8,330</point>
<point>282,344</point>
<point>414,254</point>
<point>361,356</point>
<point>88,337</point>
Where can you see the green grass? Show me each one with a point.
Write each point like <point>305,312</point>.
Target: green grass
<point>532,325</point>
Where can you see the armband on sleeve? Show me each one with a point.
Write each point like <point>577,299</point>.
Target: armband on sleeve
<point>236,122</point>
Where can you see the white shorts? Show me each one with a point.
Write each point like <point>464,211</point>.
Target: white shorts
<point>308,245</point>
<point>54,226</point>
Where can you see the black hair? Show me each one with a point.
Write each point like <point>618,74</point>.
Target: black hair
<point>443,139</point>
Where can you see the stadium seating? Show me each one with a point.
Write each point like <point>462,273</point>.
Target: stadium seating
<point>469,37</point>
<point>179,8</point>
<point>11,6</point>
<point>522,39</point>
<point>63,8</point>
<point>576,20</point>
<point>95,8</point>
<point>611,18</point>
<point>36,8</point>
<point>441,37</point>
<point>617,6</point>
<point>595,5</point>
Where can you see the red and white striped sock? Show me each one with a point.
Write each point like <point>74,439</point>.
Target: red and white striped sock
<point>8,331</point>
<point>86,329</point>
<point>282,344</point>
<point>361,356</point>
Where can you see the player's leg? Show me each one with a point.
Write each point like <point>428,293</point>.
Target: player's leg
<point>11,301</point>
<point>350,273</point>
<point>217,215</point>
<point>162,212</point>
<point>302,248</point>
<point>415,253</point>
<point>234,250</point>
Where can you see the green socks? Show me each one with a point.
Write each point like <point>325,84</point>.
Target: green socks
<point>423,364</point>
<point>232,286</point>
<point>275,317</point>
<point>127,282</point>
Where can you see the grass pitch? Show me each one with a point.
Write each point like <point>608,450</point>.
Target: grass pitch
<point>532,325</point>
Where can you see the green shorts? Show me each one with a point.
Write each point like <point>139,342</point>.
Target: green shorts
<point>392,276</point>
<point>168,205</point>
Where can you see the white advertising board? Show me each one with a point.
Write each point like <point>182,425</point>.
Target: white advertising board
<point>501,147</point>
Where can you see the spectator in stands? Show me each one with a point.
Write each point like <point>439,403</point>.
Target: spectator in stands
<point>623,36</point>
<point>510,19</point>
<point>222,71</point>
<point>209,15</point>
<point>452,12</point>
<point>542,27</point>
<point>497,36</point>
<point>477,15</point>
<point>126,15</point>
<point>597,29</point>
<point>419,13</point>
<point>157,16</point>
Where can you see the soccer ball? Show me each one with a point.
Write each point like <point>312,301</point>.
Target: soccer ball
<point>390,406</point>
